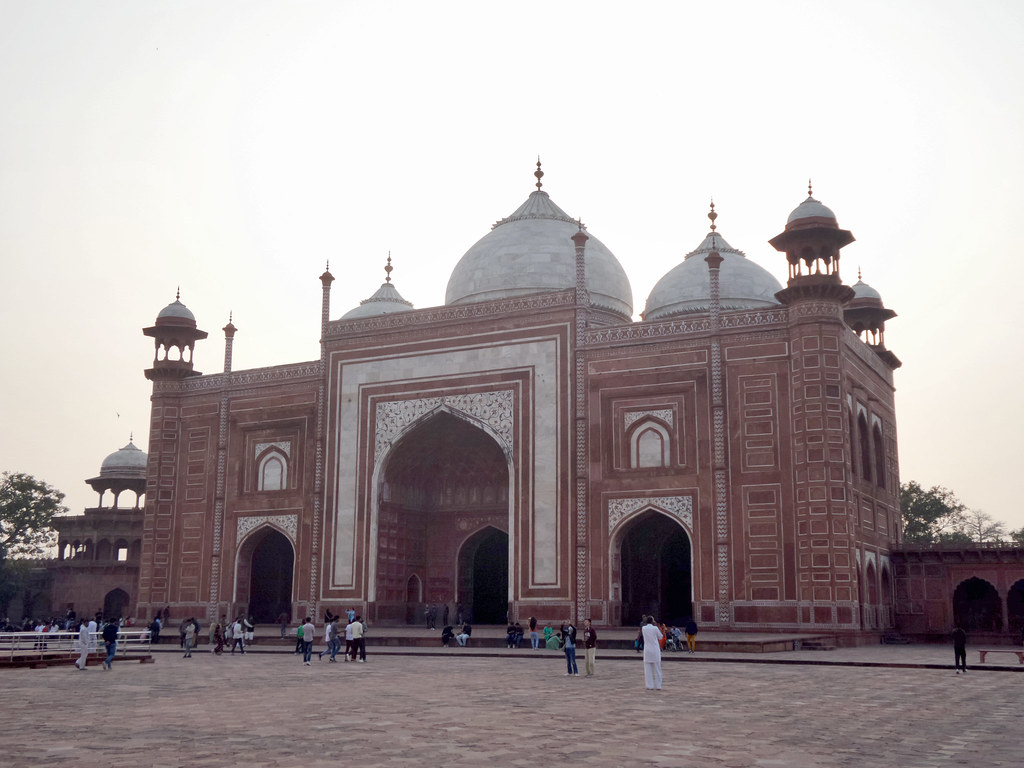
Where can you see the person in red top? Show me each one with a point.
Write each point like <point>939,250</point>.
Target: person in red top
<point>589,645</point>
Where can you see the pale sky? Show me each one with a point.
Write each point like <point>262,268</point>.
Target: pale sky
<point>233,148</point>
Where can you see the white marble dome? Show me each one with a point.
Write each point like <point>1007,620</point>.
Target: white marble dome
<point>862,290</point>
<point>687,286</point>
<point>810,209</point>
<point>127,463</point>
<point>385,301</point>
<point>176,310</point>
<point>531,251</point>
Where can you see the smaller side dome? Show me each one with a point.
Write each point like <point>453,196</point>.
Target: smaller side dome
<point>811,209</point>
<point>862,292</point>
<point>686,287</point>
<point>176,313</point>
<point>125,464</point>
<point>385,301</point>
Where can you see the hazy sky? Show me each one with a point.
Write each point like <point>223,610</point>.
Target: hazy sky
<point>233,148</point>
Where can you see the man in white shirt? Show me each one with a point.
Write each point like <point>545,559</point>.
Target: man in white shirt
<point>308,634</point>
<point>652,654</point>
<point>358,641</point>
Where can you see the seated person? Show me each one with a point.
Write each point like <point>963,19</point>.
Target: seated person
<point>551,640</point>
<point>463,637</point>
<point>447,634</point>
<point>518,636</point>
<point>676,634</point>
<point>510,636</point>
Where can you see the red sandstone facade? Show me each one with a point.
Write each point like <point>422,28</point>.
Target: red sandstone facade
<point>540,455</point>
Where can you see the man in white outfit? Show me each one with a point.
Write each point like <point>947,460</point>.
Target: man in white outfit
<point>652,654</point>
<point>86,642</point>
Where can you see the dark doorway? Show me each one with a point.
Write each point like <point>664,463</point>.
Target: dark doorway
<point>1015,607</point>
<point>483,569</point>
<point>976,606</point>
<point>115,604</point>
<point>656,571</point>
<point>270,586</point>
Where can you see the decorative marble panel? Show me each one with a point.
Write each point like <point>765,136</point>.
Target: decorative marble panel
<point>287,523</point>
<point>284,446</point>
<point>491,408</point>
<point>679,507</point>
<point>665,414</point>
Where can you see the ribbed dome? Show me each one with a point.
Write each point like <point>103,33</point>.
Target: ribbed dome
<point>687,286</point>
<point>531,251</point>
<point>127,463</point>
<point>386,301</point>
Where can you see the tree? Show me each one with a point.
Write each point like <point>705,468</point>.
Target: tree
<point>27,509</point>
<point>981,527</point>
<point>1017,536</point>
<point>933,515</point>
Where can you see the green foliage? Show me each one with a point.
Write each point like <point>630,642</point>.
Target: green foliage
<point>932,515</point>
<point>27,509</point>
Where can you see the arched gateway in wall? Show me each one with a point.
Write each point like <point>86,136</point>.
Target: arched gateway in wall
<point>266,564</point>
<point>655,568</point>
<point>444,517</point>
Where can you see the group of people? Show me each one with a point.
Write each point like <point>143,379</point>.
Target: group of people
<point>354,633</point>
<point>430,615</point>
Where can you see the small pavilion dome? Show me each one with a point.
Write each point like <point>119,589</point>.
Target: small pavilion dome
<point>176,313</point>
<point>385,301</point>
<point>531,251</point>
<point>127,463</point>
<point>687,286</point>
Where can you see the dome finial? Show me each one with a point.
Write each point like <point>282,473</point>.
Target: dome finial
<point>539,174</point>
<point>712,215</point>
<point>388,269</point>
<point>858,274</point>
<point>177,294</point>
<point>131,437</point>
<point>328,267</point>
<point>810,191</point>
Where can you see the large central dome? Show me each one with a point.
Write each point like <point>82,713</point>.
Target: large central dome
<point>531,251</point>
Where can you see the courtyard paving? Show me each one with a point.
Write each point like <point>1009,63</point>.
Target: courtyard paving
<point>514,708</point>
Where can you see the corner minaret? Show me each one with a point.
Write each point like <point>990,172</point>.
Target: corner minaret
<point>175,335</point>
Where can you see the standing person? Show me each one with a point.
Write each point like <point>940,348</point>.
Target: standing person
<point>190,637</point>
<point>237,635</point>
<point>218,636</point>
<point>283,621</point>
<point>569,646</point>
<point>351,613</point>
<point>308,633</point>
<point>213,634</point>
<point>358,639</point>
<point>154,631</point>
<point>589,646</point>
<point>444,615</point>
<point>534,635</point>
<point>960,650</point>
<point>248,628</point>
<point>458,613</point>
<point>349,640</point>
<point>110,640</point>
<point>691,635</point>
<point>298,639</point>
<point>328,639</point>
<point>652,654</point>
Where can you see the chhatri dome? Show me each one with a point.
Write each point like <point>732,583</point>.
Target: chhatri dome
<point>176,313</point>
<point>386,301</point>
<point>531,251</point>
<point>687,286</point>
<point>125,464</point>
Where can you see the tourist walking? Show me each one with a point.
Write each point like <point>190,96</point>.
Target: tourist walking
<point>691,635</point>
<point>308,633</point>
<point>534,635</point>
<point>237,635</point>
<point>589,646</point>
<point>960,650</point>
<point>110,640</point>
<point>652,654</point>
<point>86,642</point>
<point>569,646</point>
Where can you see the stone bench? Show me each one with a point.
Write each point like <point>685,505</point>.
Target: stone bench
<point>1019,654</point>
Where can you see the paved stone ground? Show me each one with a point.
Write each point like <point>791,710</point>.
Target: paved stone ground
<point>267,709</point>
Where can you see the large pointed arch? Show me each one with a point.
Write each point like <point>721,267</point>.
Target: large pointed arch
<point>414,484</point>
<point>265,565</point>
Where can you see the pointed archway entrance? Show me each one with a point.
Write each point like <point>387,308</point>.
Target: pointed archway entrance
<point>444,478</point>
<point>266,563</point>
<point>483,577</point>
<point>115,604</point>
<point>655,570</point>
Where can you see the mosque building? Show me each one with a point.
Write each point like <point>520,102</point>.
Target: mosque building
<point>528,449</point>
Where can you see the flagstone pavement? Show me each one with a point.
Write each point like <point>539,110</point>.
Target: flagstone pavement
<point>267,709</point>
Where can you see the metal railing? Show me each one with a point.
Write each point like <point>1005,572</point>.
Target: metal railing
<point>43,646</point>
